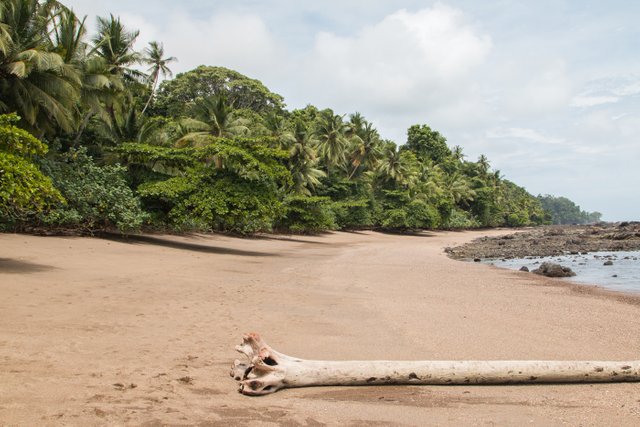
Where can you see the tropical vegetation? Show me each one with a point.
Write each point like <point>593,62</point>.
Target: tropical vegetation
<point>92,137</point>
<point>563,211</point>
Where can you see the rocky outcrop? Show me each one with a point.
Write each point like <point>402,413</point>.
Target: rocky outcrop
<point>554,240</point>
<point>550,269</point>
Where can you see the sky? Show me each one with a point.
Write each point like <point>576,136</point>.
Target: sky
<point>548,90</point>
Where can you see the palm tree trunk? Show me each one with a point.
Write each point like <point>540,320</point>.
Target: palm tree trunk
<point>83,126</point>
<point>153,90</point>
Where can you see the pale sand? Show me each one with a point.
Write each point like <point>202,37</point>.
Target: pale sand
<point>80,315</point>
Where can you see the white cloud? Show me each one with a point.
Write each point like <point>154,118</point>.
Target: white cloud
<point>591,101</point>
<point>535,85</point>
<point>404,62</point>
<point>530,135</point>
<point>629,88</point>
<point>238,41</point>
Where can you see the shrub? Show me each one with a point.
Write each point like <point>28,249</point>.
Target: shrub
<point>213,203</point>
<point>353,214</point>
<point>97,196</point>
<point>307,214</point>
<point>24,189</point>
<point>460,219</point>
<point>399,211</point>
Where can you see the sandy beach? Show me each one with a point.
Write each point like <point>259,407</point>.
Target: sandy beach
<point>142,331</point>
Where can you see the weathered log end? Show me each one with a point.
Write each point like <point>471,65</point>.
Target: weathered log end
<point>261,374</point>
<point>266,371</point>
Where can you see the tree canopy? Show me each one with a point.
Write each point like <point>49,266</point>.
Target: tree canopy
<point>204,81</point>
<point>564,211</point>
<point>91,141</point>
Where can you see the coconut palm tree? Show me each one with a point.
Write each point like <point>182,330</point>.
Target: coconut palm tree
<point>278,128</point>
<point>303,160</point>
<point>35,81</point>
<point>332,141</point>
<point>458,188</point>
<point>154,56</point>
<point>365,148</point>
<point>399,166</point>
<point>99,87</point>
<point>457,153</point>
<point>114,44</point>
<point>213,118</point>
<point>483,164</point>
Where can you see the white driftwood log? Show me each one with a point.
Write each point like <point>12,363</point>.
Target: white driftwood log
<point>268,371</point>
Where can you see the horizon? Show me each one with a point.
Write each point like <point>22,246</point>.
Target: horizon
<point>548,92</point>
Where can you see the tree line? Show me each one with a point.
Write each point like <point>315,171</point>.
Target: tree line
<point>88,141</point>
<point>563,211</point>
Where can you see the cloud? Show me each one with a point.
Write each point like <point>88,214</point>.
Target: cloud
<point>591,101</point>
<point>403,62</point>
<point>239,41</point>
<point>529,135</point>
<point>535,85</point>
<point>610,90</point>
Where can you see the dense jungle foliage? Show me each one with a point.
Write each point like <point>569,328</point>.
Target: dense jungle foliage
<point>88,142</point>
<point>564,211</point>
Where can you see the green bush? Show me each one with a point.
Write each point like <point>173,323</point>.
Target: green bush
<point>24,190</point>
<point>353,214</point>
<point>307,214</point>
<point>460,219</point>
<point>216,202</point>
<point>97,196</point>
<point>399,211</point>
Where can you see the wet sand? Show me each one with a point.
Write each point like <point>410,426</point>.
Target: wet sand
<point>141,332</point>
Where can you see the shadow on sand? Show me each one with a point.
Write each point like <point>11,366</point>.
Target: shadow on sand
<point>14,266</point>
<point>408,233</point>
<point>188,246</point>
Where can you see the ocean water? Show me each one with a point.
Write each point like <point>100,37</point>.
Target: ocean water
<point>622,276</point>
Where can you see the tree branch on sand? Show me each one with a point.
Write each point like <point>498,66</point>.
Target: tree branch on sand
<point>268,371</point>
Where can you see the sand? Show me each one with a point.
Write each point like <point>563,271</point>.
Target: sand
<point>141,332</point>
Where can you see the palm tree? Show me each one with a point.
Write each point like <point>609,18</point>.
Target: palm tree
<point>457,153</point>
<point>458,188</point>
<point>278,128</point>
<point>114,43</point>
<point>213,119</point>
<point>332,141</point>
<point>366,148</point>
<point>483,163</point>
<point>398,166</point>
<point>35,81</point>
<point>356,123</point>
<point>303,160</point>
<point>213,116</point>
<point>154,56</point>
<point>99,87</point>
<point>109,65</point>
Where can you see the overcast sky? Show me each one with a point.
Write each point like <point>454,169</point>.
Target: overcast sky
<point>549,91</point>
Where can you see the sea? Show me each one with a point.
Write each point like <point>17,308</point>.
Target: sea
<point>622,275</point>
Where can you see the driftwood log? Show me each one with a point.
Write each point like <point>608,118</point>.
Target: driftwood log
<point>267,371</point>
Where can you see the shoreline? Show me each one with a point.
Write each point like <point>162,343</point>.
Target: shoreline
<point>103,332</point>
<point>552,240</point>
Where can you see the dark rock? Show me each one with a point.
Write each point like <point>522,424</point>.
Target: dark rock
<point>608,262</point>
<point>477,260</point>
<point>524,268</point>
<point>554,240</point>
<point>550,269</point>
